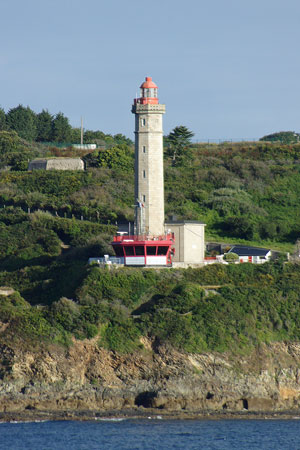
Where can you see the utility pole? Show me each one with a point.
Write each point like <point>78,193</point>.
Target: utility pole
<point>81,132</point>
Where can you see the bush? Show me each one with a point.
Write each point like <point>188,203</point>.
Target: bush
<point>231,257</point>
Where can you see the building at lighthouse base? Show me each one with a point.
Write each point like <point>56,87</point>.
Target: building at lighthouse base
<point>189,242</point>
<point>144,250</point>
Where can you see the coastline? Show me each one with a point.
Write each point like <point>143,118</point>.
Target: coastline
<point>143,413</point>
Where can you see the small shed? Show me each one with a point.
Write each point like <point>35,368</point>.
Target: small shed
<point>189,242</point>
<point>254,255</point>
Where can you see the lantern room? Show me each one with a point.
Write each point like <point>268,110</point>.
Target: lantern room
<point>148,93</point>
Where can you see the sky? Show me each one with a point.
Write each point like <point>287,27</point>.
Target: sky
<point>226,69</point>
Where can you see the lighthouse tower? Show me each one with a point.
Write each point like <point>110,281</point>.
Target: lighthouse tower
<point>150,245</point>
<point>149,177</point>
<point>153,242</point>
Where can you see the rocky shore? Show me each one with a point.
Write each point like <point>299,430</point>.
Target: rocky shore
<point>85,382</point>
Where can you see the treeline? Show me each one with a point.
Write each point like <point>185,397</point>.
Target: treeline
<point>46,127</point>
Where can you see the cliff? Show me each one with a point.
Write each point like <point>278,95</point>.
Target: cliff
<point>85,377</point>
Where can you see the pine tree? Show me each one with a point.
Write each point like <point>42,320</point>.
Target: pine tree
<point>177,140</point>
<point>44,126</point>
<point>23,121</point>
<point>61,129</point>
<point>2,120</point>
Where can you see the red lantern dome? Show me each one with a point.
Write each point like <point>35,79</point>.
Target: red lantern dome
<point>148,93</point>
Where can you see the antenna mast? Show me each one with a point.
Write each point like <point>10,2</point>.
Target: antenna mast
<point>81,132</point>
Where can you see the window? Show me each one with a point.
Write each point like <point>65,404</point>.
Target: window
<point>118,251</point>
<point>162,250</point>
<point>144,149</point>
<point>129,250</point>
<point>139,250</point>
<point>143,122</point>
<point>144,198</point>
<point>151,251</point>
<point>144,173</point>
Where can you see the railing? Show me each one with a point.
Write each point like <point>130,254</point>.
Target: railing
<point>143,237</point>
<point>103,260</point>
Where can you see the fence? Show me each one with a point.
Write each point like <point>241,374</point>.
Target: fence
<point>64,215</point>
<point>223,141</point>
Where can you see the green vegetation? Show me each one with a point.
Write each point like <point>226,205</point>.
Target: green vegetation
<point>231,257</point>
<point>285,137</point>
<point>177,141</point>
<point>52,222</point>
<point>243,192</point>
<point>216,308</point>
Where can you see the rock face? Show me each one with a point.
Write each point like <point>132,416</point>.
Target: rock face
<point>86,377</point>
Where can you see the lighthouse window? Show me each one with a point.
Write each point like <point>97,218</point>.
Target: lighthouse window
<point>144,149</point>
<point>162,250</point>
<point>119,251</point>
<point>144,198</point>
<point>151,251</point>
<point>139,250</point>
<point>143,122</point>
<point>144,173</point>
<point>129,250</point>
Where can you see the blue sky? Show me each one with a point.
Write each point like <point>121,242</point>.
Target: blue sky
<point>225,69</point>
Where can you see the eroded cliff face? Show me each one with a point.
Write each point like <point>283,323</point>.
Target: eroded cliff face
<point>86,377</point>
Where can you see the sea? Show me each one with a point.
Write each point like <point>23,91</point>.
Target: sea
<point>152,433</point>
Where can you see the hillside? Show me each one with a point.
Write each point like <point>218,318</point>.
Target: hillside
<point>51,302</point>
<point>243,192</point>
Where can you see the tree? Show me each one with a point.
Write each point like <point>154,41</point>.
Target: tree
<point>44,126</point>
<point>91,137</point>
<point>23,121</point>
<point>9,142</point>
<point>61,129</point>
<point>285,137</point>
<point>75,136</point>
<point>177,140</point>
<point>240,226</point>
<point>118,157</point>
<point>121,139</point>
<point>2,119</point>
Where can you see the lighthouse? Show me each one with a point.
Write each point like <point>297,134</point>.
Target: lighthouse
<point>150,245</point>
<point>154,242</point>
<point>149,174</point>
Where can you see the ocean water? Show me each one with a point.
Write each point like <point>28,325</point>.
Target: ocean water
<point>152,434</point>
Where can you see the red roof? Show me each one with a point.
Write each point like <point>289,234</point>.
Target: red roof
<point>148,83</point>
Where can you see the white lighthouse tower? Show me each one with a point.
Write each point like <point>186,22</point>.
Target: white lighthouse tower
<point>150,245</point>
<point>149,176</point>
<point>154,243</point>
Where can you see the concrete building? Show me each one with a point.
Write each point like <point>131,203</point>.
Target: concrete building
<point>56,164</point>
<point>149,175</point>
<point>189,242</point>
